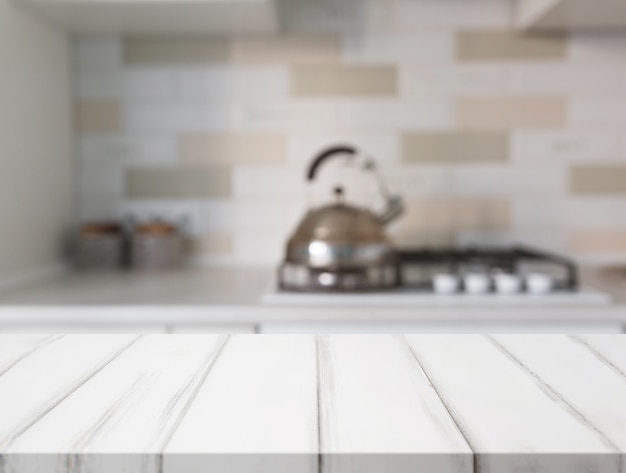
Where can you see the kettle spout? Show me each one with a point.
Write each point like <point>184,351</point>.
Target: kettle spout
<point>395,208</point>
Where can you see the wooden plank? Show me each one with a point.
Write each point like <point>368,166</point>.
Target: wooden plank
<point>378,411</point>
<point>590,389</point>
<point>257,411</point>
<point>511,423</point>
<point>610,349</point>
<point>14,348</point>
<point>48,375</point>
<point>121,419</point>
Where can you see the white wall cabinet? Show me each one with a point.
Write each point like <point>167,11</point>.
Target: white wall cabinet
<point>571,15</point>
<point>157,16</point>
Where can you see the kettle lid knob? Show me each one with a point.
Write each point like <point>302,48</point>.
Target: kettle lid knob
<point>339,194</point>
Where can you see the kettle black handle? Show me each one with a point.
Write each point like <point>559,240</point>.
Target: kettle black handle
<point>326,154</point>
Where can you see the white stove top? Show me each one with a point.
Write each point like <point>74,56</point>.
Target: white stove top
<point>411,297</point>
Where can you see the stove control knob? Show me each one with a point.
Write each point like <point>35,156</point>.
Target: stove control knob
<point>539,283</point>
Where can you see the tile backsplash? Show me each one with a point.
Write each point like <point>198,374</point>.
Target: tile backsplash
<point>491,136</point>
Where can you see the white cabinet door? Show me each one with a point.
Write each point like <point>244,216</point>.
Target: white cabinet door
<point>443,327</point>
<point>81,328</point>
<point>212,328</point>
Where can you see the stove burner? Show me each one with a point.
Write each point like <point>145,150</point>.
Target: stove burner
<point>298,278</point>
<point>413,268</point>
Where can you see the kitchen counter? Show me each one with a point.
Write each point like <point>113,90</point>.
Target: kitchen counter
<point>304,403</point>
<point>227,300</point>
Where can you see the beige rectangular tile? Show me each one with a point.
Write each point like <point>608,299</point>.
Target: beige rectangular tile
<point>190,182</point>
<point>230,149</point>
<point>506,113</point>
<point>482,214</point>
<point>97,117</point>
<point>454,215</point>
<point>213,243</point>
<point>455,147</point>
<point>598,241</point>
<point>155,50</point>
<point>480,45</point>
<point>598,179</point>
<point>287,49</point>
<point>344,80</point>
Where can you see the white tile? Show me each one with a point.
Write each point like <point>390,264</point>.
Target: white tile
<point>234,83</point>
<point>149,83</point>
<point>478,180</point>
<point>531,212</point>
<point>286,115</point>
<point>605,112</point>
<point>97,52</point>
<point>422,181</point>
<point>596,48</point>
<point>97,179</point>
<point>260,248</point>
<point>385,114</point>
<point>321,15</point>
<point>514,180</point>
<point>92,208</point>
<point>94,85</point>
<point>411,15</point>
<point>264,181</point>
<point>572,213</point>
<point>256,216</point>
<point>217,216</point>
<point>562,78</point>
<point>303,146</point>
<point>598,212</point>
<point>243,216</point>
<point>564,146</point>
<point>419,48</point>
<point>454,80</point>
<point>130,85</point>
<point>545,180</point>
<point>178,117</point>
<point>156,149</point>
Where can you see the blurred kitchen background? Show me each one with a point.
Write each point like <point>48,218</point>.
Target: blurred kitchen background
<point>500,122</point>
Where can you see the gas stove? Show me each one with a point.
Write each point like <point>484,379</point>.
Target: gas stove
<point>516,275</point>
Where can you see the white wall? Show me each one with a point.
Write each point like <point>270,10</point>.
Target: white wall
<point>35,152</point>
<point>391,74</point>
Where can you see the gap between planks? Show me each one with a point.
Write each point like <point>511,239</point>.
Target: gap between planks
<point>466,435</point>
<point>553,394</point>
<point>205,370</point>
<point>42,343</point>
<point>598,355</point>
<point>69,392</point>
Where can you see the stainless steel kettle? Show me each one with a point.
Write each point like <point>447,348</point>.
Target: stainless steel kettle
<point>340,236</point>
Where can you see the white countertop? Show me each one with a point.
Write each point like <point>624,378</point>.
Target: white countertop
<point>229,296</point>
<point>304,403</point>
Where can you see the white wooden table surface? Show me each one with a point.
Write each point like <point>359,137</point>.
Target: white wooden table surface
<point>312,404</point>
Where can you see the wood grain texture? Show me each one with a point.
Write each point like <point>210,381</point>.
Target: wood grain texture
<point>14,348</point>
<point>257,412</point>
<point>378,411</point>
<point>610,349</point>
<point>121,419</point>
<point>312,404</point>
<point>509,420</point>
<point>564,368</point>
<point>40,381</point>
